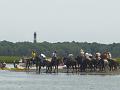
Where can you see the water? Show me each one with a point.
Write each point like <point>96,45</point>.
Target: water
<point>62,81</point>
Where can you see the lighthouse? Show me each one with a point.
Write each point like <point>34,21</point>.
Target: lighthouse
<point>35,37</point>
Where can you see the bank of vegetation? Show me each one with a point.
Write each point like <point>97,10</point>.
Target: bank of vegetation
<point>10,50</point>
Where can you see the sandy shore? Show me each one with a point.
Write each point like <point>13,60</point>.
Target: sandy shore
<point>63,70</point>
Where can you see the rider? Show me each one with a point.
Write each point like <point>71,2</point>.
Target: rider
<point>82,52</point>
<point>70,56</point>
<point>42,57</point>
<point>54,55</point>
<point>109,56</point>
<point>97,56</point>
<point>33,56</point>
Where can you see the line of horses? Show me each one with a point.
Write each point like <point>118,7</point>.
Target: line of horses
<point>49,64</point>
<point>77,64</point>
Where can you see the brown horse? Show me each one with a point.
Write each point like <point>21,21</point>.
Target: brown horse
<point>51,64</point>
<point>103,62</point>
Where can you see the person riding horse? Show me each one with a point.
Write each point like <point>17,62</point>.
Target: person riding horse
<point>54,61</point>
<point>54,58</point>
<point>80,61</point>
<point>34,54</point>
<point>54,55</point>
<point>70,63</point>
<point>103,62</point>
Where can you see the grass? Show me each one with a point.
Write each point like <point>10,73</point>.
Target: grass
<point>13,69</point>
<point>9,59</point>
<point>118,60</point>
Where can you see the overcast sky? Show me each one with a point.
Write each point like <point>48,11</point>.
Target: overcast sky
<point>60,20</point>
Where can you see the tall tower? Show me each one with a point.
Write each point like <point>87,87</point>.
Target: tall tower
<point>35,37</point>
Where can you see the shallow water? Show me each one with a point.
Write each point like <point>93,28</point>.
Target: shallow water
<point>62,81</point>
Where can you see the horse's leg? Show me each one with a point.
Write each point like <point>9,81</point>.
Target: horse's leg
<point>76,67</point>
<point>95,67</point>
<point>39,68</point>
<point>81,67</point>
<point>100,67</point>
<point>110,66</point>
<point>57,64</point>
<point>75,64</point>
<point>28,67</point>
<point>115,66</point>
<point>46,69</point>
<point>104,67</point>
<point>36,66</point>
<point>72,68</point>
<point>57,68</point>
<point>54,68</point>
<point>51,68</point>
<point>67,68</point>
<point>91,66</point>
<point>84,68</point>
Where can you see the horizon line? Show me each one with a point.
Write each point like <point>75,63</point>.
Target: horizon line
<point>61,42</point>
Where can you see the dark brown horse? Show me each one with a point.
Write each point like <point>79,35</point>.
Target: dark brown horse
<point>51,65</point>
<point>27,62</point>
<point>70,64</point>
<point>113,64</point>
<point>103,62</point>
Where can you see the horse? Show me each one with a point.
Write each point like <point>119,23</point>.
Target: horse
<point>95,63</point>
<point>70,63</point>
<point>87,62</point>
<point>113,64</point>
<point>55,64</point>
<point>48,65</point>
<point>51,64</point>
<point>84,63</point>
<point>81,62</point>
<point>28,63</point>
<point>103,63</point>
<point>42,62</point>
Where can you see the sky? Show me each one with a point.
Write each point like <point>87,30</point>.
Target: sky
<point>60,20</point>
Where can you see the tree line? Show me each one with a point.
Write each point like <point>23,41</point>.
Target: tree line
<point>63,48</point>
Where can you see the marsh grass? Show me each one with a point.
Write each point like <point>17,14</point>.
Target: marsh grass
<point>9,59</point>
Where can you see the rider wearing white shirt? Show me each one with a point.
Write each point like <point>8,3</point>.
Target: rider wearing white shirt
<point>54,55</point>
